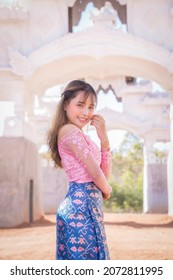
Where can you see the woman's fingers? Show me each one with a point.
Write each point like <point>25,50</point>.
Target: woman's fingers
<point>105,196</point>
<point>98,120</point>
<point>99,123</point>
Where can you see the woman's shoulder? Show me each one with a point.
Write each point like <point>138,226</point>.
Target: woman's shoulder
<point>66,130</point>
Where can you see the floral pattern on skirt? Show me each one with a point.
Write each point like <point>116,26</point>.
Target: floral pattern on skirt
<point>80,232</point>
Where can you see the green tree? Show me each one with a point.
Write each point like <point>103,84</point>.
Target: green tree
<point>127,176</point>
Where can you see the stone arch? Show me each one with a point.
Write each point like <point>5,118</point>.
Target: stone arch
<point>123,121</point>
<point>96,53</point>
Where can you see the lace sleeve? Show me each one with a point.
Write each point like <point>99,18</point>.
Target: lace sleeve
<point>106,162</point>
<point>76,143</point>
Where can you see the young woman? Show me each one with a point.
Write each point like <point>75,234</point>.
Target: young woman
<point>80,229</point>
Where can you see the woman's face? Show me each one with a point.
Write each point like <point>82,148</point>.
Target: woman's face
<point>80,110</point>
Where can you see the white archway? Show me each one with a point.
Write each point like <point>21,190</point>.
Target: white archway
<point>95,52</point>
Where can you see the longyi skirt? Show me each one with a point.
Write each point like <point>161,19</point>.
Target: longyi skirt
<point>80,232</point>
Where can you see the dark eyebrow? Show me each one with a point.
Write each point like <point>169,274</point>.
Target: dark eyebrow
<point>83,102</point>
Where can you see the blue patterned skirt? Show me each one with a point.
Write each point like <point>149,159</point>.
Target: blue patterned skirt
<point>80,232</point>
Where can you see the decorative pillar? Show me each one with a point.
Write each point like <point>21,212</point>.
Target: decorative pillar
<point>170,162</point>
<point>20,166</point>
<point>155,182</point>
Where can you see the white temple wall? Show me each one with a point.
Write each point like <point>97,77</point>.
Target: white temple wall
<point>170,179</point>
<point>151,20</point>
<point>20,163</point>
<point>54,188</point>
<point>42,22</point>
<point>170,165</point>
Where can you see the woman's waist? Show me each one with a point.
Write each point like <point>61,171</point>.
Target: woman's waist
<point>79,177</point>
<point>81,183</point>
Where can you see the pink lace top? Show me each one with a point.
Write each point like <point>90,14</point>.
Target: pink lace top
<point>81,158</point>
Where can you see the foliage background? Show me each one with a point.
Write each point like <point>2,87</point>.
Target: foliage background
<point>127,177</point>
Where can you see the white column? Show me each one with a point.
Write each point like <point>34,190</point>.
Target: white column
<point>145,183</point>
<point>170,163</point>
<point>146,188</point>
<point>155,197</point>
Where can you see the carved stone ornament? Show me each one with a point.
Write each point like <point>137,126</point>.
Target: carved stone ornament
<point>80,44</point>
<point>21,65</point>
<point>107,14</point>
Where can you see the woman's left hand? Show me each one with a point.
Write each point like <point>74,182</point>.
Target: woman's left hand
<point>99,123</point>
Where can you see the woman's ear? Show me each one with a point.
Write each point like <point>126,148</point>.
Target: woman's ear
<point>65,106</point>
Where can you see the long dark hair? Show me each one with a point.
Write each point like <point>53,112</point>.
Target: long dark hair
<point>60,118</point>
